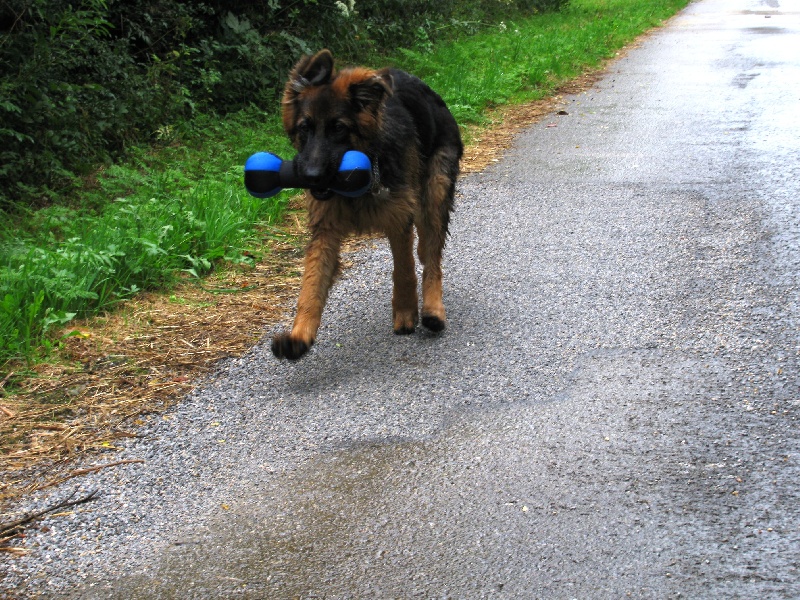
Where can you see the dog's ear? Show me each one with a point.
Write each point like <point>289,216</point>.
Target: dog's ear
<point>370,94</point>
<point>312,70</point>
<point>309,71</point>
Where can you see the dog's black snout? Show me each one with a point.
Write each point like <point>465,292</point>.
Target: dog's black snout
<point>312,174</point>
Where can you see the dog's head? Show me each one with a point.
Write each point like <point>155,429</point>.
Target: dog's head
<point>328,112</point>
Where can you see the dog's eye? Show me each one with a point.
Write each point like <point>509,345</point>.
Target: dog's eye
<point>303,128</point>
<point>341,129</point>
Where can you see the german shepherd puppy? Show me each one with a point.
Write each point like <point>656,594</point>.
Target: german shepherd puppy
<point>415,147</point>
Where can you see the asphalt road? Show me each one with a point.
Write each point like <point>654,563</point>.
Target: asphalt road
<point>613,411</point>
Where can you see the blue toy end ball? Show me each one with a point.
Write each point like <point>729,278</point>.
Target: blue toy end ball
<point>353,159</point>
<point>355,174</point>
<point>261,174</point>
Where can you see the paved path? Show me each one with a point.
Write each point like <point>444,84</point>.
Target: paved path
<point>612,413</point>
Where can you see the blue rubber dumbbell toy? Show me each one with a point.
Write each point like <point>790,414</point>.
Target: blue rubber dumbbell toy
<point>266,174</point>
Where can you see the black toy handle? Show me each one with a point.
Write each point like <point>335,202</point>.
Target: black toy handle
<point>266,174</point>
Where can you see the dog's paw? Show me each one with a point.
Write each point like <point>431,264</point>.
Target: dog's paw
<point>285,346</point>
<point>405,329</point>
<point>405,322</point>
<point>433,323</point>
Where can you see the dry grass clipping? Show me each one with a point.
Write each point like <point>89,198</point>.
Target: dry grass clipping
<point>117,370</point>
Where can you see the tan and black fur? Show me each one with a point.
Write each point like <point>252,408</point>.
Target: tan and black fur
<point>415,147</point>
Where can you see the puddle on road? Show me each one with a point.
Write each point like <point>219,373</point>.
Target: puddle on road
<point>766,30</point>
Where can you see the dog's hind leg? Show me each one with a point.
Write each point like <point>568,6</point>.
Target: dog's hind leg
<point>432,229</point>
<point>405,310</point>
<point>321,267</point>
<point>430,255</point>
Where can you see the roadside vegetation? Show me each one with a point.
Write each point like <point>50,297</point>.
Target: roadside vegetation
<point>105,201</point>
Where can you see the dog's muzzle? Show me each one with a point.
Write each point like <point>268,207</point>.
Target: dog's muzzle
<point>325,194</point>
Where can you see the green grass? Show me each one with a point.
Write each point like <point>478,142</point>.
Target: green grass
<point>180,209</point>
<point>177,210</point>
<point>527,59</point>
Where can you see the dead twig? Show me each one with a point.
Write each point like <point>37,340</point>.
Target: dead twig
<point>15,527</point>
<point>86,471</point>
<point>6,378</point>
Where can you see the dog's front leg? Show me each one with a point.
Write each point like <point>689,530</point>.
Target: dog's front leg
<point>404,297</point>
<point>321,264</point>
